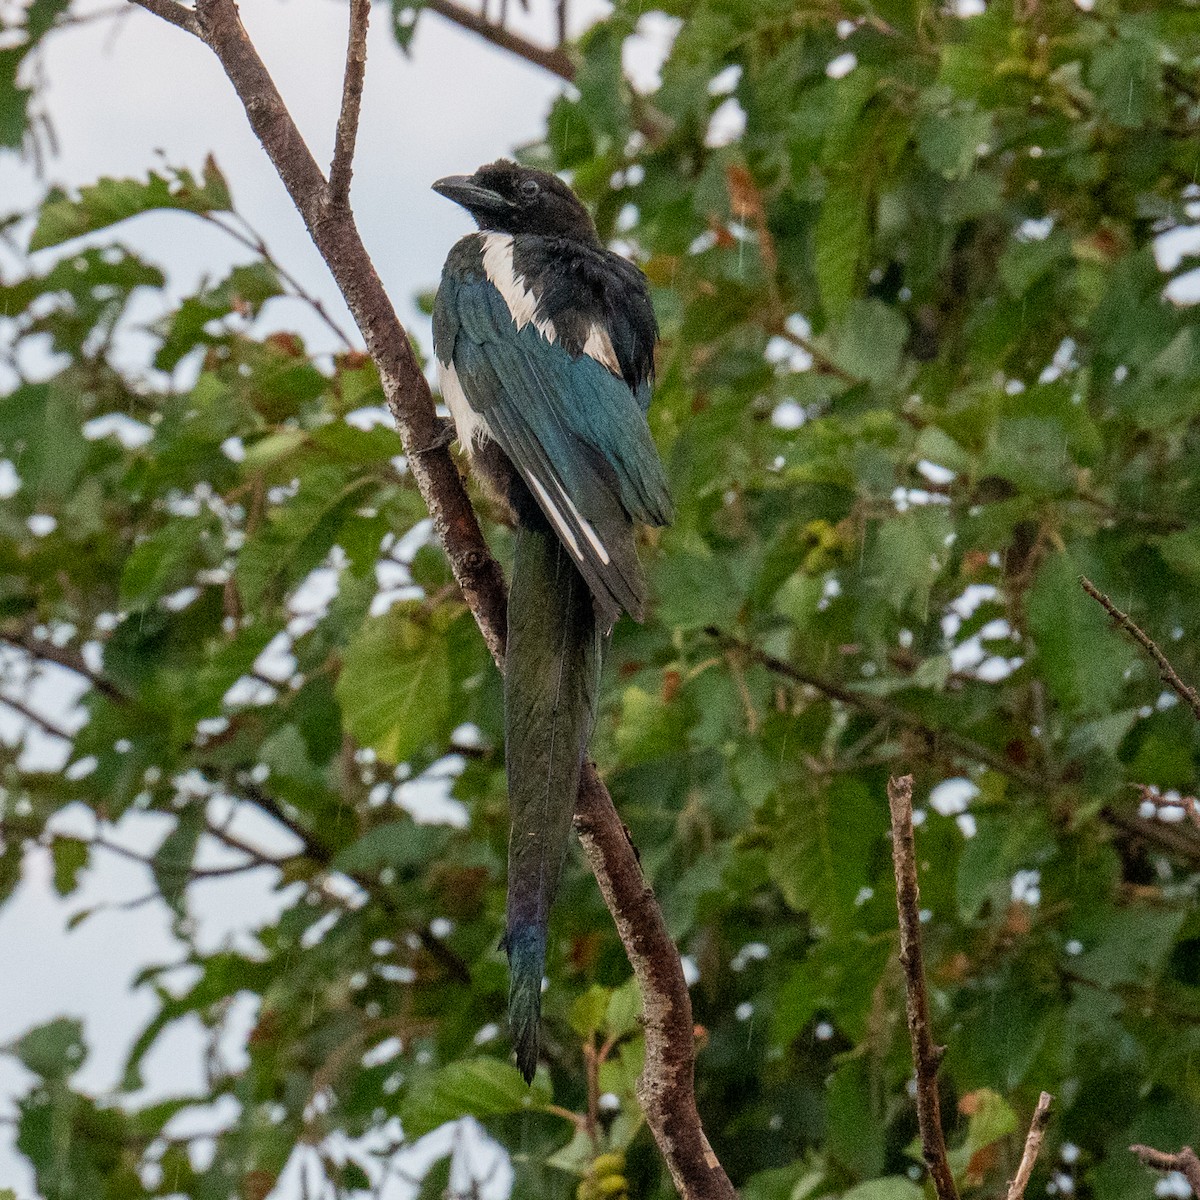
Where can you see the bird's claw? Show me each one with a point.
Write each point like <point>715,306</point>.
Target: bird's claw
<point>445,435</point>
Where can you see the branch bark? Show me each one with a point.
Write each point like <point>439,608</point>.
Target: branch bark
<point>555,59</point>
<point>1166,671</point>
<point>1186,1162</point>
<point>1033,1147</point>
<point>667,1084</point>
<point>926,1056</point>
<point>666,1088</point>
<point>341,168</point>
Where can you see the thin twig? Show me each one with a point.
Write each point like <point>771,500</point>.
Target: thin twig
<point>35,718</point>
<point>557,61</point>
<point>1186,1162</point>
<point>249,237</point>
<point>884,710</point>
<point>1166,671</point>
<point>1033,1146</point>
<point>342,166</point>
<point>63,656</point>
<point>176,14</point>
<point>926,1056</point>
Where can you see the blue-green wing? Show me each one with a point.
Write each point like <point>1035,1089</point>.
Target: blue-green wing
<point>573,430</point>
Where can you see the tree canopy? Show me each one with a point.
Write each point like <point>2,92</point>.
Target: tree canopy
<point>927,358</point>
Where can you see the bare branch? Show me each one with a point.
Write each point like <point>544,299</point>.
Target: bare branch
<point>1186,1162</point>
<point>926,1056</point>
<point>557,61</point>
<point>249,237</point>
<point>1166,671</point>
<point>666,1088</point>
<point>1033,1147</point>
<point>884,710</point>
<point>341,169</point>
<point>64,656</point>
<point>336,237</point>
<point>35,718</point>
<point>176,14</point>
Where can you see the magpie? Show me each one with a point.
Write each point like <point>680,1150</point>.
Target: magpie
<point>544,341</point>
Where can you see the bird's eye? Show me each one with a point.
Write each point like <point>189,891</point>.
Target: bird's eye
<point>529,188</point>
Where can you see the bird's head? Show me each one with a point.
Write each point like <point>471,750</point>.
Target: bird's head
<point>504,197</point>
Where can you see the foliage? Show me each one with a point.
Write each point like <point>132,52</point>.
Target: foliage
<point>918,373</point>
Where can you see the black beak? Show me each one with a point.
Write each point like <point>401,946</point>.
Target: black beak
<point>473,196</point>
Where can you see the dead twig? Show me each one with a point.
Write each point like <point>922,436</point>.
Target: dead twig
<point>1033,1146</point>
<point>1166,671</point>
<point>1186,1162</point>
<point>926,1056</point>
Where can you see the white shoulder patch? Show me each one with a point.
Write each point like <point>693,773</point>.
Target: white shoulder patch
<point>471,427</point>
<point>522,303</point>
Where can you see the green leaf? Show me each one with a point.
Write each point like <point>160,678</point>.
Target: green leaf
<point>165,561</point>
<point>476,1087</point>
<point>949,138</point>
<point>1082,658</point>
<point>822,847</point>
<point>868,341</point>
<point>624,1010</point>
<point>890,1187</point>
<point>110,201</point>
<point>395,687</point>
<point>401,845</point>
<point>172,862</point>
<point>589,1009</point>
<point>298,535</point>
<point>70,857</point>
<point>841,239</point>
<point>54,1050</point>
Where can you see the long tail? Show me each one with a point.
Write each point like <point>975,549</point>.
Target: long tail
<point>551,678</point>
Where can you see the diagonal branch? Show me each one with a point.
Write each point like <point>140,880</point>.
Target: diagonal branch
<point>1166,671</point>
<point>35,718</point>
<point>556,60</point>
<point>885,711</point>
<point>926,1056</point>
<point>1186,1162</point>
<point>666,1089</point>
<point>177,14</point>
<point>341,169</point>
<point>1033,1147</point>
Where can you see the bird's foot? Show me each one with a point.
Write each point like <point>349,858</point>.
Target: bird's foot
<point>446,433</point>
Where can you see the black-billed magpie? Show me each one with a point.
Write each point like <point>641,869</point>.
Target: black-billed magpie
<point>545,347</point>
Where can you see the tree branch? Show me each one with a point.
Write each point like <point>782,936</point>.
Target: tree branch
<point>1033,1147</point>
<point>341,168</point>
<point>336,237</point>
<point>1166,671</point>
<point>63,656</point>
<point>667,1086</point>
<point>176,14</point>
<point>864,702</point>
<point>926,1056</point>
<point>557,60</point>
<point>1186,1162</point>
<point>36,718</point>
